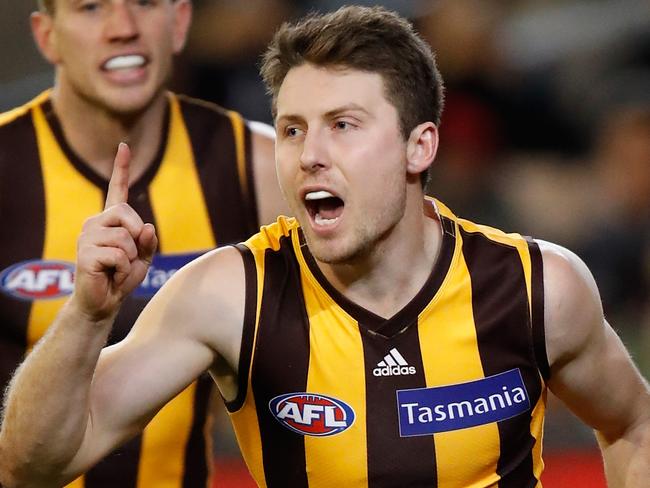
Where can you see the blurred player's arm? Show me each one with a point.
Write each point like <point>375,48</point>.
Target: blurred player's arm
<point>71,402</point>
<point>270,202</point>
<point>592,372</point>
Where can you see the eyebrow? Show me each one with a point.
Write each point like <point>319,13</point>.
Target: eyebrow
<point>351,107</point>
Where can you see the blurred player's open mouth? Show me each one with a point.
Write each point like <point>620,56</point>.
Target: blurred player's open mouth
<point>324,208</point>
<point>124,68</point>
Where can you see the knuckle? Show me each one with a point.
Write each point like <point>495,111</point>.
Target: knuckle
<point>123,234</point>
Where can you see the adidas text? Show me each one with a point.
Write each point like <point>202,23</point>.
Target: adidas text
<point>393,370</point>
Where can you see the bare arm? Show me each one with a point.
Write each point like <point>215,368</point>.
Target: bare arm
<point>270,202</point>
<point>69,404</point>
<point>592,372</point>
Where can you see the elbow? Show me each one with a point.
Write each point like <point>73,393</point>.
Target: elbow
<point>16,472</point>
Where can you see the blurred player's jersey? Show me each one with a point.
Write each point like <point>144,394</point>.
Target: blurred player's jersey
<point>198,193</point>
<point>448,392</point>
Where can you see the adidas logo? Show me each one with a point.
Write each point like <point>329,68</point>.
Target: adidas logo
<point>393,364</point>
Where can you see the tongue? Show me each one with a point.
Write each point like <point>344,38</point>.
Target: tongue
<point>330,208</point>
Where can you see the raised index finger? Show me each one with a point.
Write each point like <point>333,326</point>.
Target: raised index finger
<point>118,186</point>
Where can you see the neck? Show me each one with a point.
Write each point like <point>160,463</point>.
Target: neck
<point>394,270</point>
<point>94,133</point>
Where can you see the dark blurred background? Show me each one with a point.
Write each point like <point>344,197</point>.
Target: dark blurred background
<point>546,132</point>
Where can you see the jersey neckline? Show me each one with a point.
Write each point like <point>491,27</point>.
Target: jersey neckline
<point>86,170</point>
<point>369,321</point>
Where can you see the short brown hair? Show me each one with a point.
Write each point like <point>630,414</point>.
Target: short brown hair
<point>370,39</point>
<point>46,6</point>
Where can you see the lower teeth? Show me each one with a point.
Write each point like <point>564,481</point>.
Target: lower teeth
<point>321,221</point>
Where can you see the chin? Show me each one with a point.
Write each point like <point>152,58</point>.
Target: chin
<point>128,102</point>
<point>329,253</point>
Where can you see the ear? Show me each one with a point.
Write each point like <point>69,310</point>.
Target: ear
<point>42,30</point>
<point>182,20</point>
<point>421,147</point>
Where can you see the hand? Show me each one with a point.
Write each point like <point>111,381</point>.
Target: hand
<point>114,250</point>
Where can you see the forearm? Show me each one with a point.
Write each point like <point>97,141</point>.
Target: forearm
<point>47,405</point>
<point>627,459</point>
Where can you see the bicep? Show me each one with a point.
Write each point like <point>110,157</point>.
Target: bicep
<point>178,336</point>
<point>591,371</point>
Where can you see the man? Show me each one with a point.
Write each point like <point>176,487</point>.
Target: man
<point>204,175</point>
<point>377,340</point>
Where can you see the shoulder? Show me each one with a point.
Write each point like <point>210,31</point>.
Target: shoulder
<point>273,236</point>
<point>572,308</point>
<point>206,292</point>
<point>202,277</point>
<point>14,116</point>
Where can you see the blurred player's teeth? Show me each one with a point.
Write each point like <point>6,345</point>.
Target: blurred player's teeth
<point>321,221</point>
<point>125,62</point>
<point>317,195</point>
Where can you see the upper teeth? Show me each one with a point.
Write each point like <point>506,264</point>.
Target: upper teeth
<point>317,195</point>
<point>122,62</point>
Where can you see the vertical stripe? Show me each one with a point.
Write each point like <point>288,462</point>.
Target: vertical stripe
<point>280,366</point>
<point>221,162</point>
<point>242,409</point>
<point>238,132</point>
<point>63,220</point>
<point>449,348</point>
<point>243,145</point>
<point>183,225</point>
<point>176,197</point>
<point>537,309</point>
<point>249,327</point>
<point>336,369</point>
<point>394,460</point>
<point>501,313</point>
<point>119,468</point>
<point>22,211</point>
<point>198,455</point>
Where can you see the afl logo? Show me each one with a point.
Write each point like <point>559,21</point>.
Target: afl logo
<point>312,414</point>
<point>38,280</point>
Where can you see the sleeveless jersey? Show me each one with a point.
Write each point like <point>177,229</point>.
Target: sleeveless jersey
<point>198,193</point>
<point>449,392</point>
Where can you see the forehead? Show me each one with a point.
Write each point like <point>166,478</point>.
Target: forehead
<point>308,88</point>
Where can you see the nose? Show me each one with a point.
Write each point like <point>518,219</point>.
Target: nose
<point>314,155</point>
<point>121,24</point>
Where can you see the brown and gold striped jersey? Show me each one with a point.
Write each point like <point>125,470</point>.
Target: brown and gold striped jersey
<point>449,392</point>
<point>198,192</point>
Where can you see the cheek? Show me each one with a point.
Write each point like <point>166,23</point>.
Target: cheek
<point>284,170</point>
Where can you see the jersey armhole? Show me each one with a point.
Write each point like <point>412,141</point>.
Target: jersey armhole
<point>537,309</point>
<point>248,330</point>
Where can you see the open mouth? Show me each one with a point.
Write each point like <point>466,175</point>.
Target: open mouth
<point>323,207</point>
<point>128,61</point>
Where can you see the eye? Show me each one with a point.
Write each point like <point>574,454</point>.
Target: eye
<point>341,124</point>
<point>89,6</point>
<point>292,131</point>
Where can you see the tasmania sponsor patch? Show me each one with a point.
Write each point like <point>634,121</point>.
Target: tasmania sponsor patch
<point>312,414</point>
<point>38,279</point>
<point>425,411</point>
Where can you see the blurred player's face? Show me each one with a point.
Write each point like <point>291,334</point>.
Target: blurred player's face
<point>341,159</point>
<point>116,54</point>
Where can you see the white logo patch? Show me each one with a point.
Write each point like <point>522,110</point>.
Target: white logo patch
<point>393,364</point>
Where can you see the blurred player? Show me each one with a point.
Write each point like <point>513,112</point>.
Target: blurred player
<point>203,174</point>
